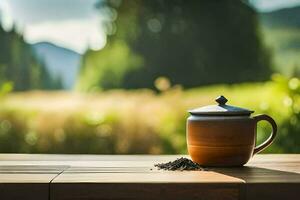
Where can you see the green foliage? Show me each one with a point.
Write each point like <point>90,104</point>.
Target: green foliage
<point>285,44</point>
<point>288,139</point>
<point>106,69</point>
<point>5,88</point>
<point>19,65</point>
<point>191,43</point>
<point>133,122</point>
<point>281,33</point>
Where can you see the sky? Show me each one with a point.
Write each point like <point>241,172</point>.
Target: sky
<point>270,5</point>
<point>76,24</point>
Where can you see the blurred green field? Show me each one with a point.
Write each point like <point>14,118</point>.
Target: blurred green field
<point>136,121</point>
<point>284,44</point>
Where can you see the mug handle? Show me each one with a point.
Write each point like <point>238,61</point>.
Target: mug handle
<point>266,143</point>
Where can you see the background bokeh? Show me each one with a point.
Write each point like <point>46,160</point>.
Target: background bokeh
<point>117,77</point>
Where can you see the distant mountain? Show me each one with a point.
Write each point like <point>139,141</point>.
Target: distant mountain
<point>287,17</point>
<point>61,63</point>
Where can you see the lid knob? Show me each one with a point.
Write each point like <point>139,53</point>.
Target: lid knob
<point>221,100</point>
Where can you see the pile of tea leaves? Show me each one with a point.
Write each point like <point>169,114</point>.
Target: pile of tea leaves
<point>180,164</point>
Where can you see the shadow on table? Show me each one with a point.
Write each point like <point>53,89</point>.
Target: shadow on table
<point>263,183</point>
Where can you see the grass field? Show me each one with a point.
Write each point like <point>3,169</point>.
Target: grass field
<point>118,121</point>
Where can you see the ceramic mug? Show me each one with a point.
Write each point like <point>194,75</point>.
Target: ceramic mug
<point>225,138</point>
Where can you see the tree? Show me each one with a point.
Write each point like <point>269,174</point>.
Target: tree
<point>19,65</point>
<point>190,42</point>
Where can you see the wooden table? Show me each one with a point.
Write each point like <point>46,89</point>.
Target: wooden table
<point>61,177</point>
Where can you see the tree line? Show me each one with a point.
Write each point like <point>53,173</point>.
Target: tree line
<point>191,43</point>
<point>20,66</point>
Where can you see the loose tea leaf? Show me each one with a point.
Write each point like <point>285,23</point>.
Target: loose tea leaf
<point>180,164</point>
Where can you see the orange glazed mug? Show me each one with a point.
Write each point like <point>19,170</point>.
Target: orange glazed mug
<point>224,135</point>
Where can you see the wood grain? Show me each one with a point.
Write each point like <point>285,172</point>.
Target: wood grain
<point>57,177</point>
<point>155,177</point>
<point>269,177</point>
<point>26,182</point>
<point>134,179</point>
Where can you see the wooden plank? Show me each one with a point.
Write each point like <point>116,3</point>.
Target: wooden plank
<point>281,161</point>
<point>131,177</point>
<point>139,177</point>
<point>260,158</point>
<point>27,181</point>
<point>260,175</point>
<point>275,177</point>
<point>24,191</point>
<point>31,169</point>
<point>128,178</point>
<point>25,186</point>
<point>272,191</point>
<point>85,157</point>
<point>278,158</point>
<point>147,191</point>
<point>134,179</point>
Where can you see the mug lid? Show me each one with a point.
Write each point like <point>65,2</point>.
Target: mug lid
<point>221,109</point>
